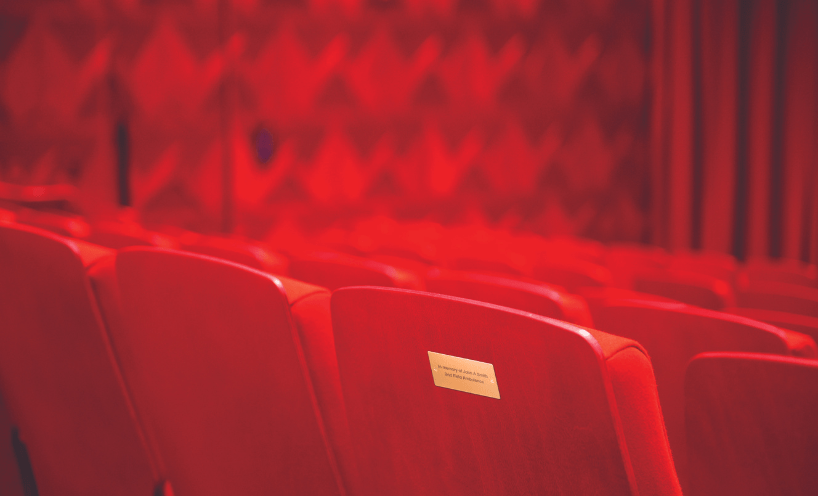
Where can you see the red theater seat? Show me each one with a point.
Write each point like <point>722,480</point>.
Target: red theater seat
<point>783,270</point>
<point>673,333</point>
<point>215,355</point>
<point>719,265</point>
<point>692,288</point>
<point>751,424</point>
<point>59,381</point>
<point>63,224</point>
<point>596,297</point>
<point>792,321</point>
<point>490,264</point>
<point>335,270</point>
<point>624,260</point>
<point>7,216</point>
<point>240,251</point>
<point>582,248</point>
<point>482,250</point>
<point>118,235</point>
<point>778,296</point>
<point>578,411</point>
<point>534,297</point>
<point>572,273</point>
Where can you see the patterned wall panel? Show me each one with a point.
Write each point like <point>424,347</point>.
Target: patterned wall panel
<point>529,112</point>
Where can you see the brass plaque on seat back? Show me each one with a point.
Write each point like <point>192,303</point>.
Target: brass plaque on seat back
<point>462,374</point>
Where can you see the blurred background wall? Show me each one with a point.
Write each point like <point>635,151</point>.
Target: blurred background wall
<point>689,124</point>
<point>230,114</point>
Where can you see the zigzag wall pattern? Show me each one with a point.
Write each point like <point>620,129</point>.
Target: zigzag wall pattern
<point>532,113</point>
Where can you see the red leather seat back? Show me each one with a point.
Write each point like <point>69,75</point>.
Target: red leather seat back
<point>538,298</point>
<point>751,424</point>
<point>57,374</point>
<point>214,361</point>
<point>334,270</point>
<point>555,429</point>
<point>673,333</point>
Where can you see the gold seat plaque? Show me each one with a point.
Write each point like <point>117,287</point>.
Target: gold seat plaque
<point>462,374</point>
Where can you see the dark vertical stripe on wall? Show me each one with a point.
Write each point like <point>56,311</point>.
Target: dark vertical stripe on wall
<point>123,163</point>
<point>776,230</point>
<point>667,71</point>
<point>697,167</point>
<point>746,10</point>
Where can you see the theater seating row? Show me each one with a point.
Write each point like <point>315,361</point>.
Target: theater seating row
<point>172,369</point>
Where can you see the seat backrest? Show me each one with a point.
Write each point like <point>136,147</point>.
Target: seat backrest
<point>782,270</point>
<point>577,411</point>
<point>62,224</point>
<point>336,270</point>
<point>57,375</point>
<point>778,296</point>
<point>785,320</point>
<point>572,273</point>
<point>624,260</point>
<point>715,264</point>
<point>534,297</point>
<point>673,333</point>
<point>213,359</point>
<point>7,216</point>
<point>597,296</point>
<point>751,424</point>
<point>118,235</point>
<point>239,251</point>
<point>696,289</point>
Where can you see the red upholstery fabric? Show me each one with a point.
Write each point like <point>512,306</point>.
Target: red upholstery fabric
<point>57,374</point>
<point>480,249</point>
<point>672,333</point>
<point>310,307</point>
<point>792,321</point>
<point>119,235</point>
<point>778,296</point>
<point>751,424</point>
<point>555,430</point>
<point>714,264</point>
<point>401,262</point>
<point>217,369</point>
<point>623,260</point>
<point>688,287</point>
<point>335,270</point>
<point>7,216</point>
<point>572,273</point>
<point>595,297</point>
<point>488,264</point>
<point>245,253</point>
<point>785,270</point>
<point>539,298</point>
<point>64,225</point>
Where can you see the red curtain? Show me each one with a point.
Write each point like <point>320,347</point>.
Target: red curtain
<point>734,127</point>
